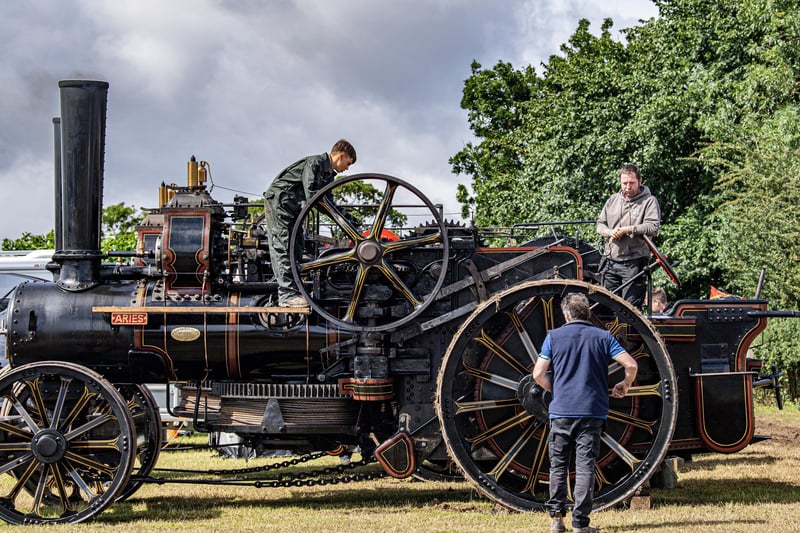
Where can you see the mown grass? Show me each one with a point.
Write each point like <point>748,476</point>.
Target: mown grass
<point>757,489</point>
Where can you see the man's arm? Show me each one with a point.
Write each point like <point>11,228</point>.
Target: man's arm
<point>602,222</point>
<point>540,374</point>
<point>631,368</point>
<point>651,219</point>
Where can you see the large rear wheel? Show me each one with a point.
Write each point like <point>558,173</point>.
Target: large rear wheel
<point>502,447</point>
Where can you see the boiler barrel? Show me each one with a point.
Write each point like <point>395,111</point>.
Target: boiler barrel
<point>48,323</point>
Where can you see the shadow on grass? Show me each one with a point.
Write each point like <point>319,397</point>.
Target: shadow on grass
<point>700,523</point>
<point>192,508</point>
<point>740,491</point>
<point>748,459</point>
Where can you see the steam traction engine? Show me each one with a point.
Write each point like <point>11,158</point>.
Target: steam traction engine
<point>419,339</point>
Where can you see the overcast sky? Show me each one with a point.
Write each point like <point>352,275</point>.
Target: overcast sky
<point>253,85</point>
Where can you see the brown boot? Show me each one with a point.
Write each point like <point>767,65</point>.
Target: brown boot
<point>557,525</point>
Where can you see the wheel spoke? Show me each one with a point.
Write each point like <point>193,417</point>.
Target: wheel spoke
<point>109,444</point>
<point>634,421</point>
<point>383,212</point>
<point>80,482</point>
<point>627,457</point>
<point>58,408</point>
<point>412,242</point>
<point>14,430</point>
<point>15,462</point>
<point>84,399</point>
<point>92,424</point>
<point>537,461</point>
<point>524,337</point>
<point>480,405</point>
<point>505,461</point>
<point>398,283</point>
<point>38,401</point>
<point>490,378</point>
<point>355,297</point>
<point>41,490</point>
<point>347,256</point>
<point>26,417</point>
<point>10,447</point>
<point>501,352</point>
<point>58,477</point>
<point>500,428</point>
<point>91,464</point>
<point>645,390</point>
<point>23,478</point>
<point>326,204</point>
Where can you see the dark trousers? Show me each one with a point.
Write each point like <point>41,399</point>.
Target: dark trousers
<point>616,273</point>
<point>581,435</point>
<point>282,212</point>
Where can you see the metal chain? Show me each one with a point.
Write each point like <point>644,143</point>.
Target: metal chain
<point>300,479</point>
<point>264,468</point>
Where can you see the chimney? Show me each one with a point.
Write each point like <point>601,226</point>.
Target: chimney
<point>83,126</point>
<point>59,242</point>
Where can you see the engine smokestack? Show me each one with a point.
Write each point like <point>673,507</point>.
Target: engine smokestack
<point>59,242</point>
<point>83,126</point>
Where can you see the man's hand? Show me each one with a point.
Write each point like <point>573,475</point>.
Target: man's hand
<point>620,389</point>
<point>620,232</point>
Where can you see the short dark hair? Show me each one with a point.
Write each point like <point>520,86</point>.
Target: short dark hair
<point>630,169</point>
<point>576,305</point>
<point>343,146</point>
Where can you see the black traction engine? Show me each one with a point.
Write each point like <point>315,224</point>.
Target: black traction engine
<point>417,344</point>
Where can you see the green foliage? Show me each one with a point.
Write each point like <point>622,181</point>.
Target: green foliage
<point>29,241</point>
<point>363,193</point>
<point>704,98</point>
<point>119,227</point>
<point>118,232</point>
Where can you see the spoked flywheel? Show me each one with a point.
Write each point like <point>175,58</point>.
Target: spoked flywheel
<point>368,272</point>
<point>500,445</point>
<point>66,444</point>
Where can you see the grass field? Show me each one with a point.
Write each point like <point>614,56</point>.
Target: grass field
<point>757,489</point>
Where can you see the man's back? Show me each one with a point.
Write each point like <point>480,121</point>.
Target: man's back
<point>581,353</point>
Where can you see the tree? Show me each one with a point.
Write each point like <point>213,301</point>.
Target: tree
<point>703,98</point>
<point>29,241</point>
<point>117,233</point>
<point>119,227</point>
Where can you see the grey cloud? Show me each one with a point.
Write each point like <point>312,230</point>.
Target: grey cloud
<point>251,85</point>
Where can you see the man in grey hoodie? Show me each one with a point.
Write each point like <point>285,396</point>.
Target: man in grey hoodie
<point>626,216</point>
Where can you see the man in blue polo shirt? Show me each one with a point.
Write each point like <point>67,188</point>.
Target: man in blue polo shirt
<point>579,353</point>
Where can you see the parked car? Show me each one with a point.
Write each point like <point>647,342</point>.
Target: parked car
<point>15,268</point>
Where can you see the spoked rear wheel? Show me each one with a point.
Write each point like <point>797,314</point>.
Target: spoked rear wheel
<point>147,421</point>
<point>502,447</point>
<point>66,443</point>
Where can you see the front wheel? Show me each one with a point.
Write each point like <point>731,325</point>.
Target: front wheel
<point>67,444</point>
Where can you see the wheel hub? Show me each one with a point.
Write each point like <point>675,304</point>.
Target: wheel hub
<point>49,445</point>
<point>369,251</point>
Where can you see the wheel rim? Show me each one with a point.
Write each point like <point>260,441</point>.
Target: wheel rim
<point>368,261</point>
<point>501,447</point>
<point>66,441</point>
<point>147,421</point>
